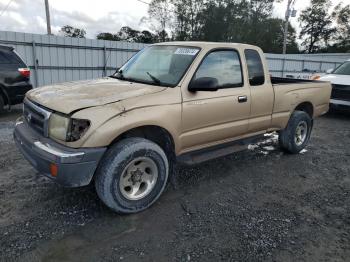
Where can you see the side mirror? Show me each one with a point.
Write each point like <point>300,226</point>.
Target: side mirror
<point>329,71</point>
<point>204,84</point>
<point>257,80</point>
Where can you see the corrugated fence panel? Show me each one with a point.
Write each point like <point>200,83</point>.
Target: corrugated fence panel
<point>303,64</point>
<point>54,59</point>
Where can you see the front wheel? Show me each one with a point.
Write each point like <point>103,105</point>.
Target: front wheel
<point>132,175</point>
<point>296,135</point>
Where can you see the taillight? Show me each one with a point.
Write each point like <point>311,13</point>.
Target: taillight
<point>24,72</point>
<point>315,77</point>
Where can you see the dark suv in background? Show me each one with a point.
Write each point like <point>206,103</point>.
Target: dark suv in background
<point>14,78</point>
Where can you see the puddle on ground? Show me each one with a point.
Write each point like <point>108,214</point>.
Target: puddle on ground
<point>85,242</point>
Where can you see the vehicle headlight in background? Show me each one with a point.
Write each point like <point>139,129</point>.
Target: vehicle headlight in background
<point>315,77</point>
<point>67,129</point>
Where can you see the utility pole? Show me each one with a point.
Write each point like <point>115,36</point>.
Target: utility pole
<point>48,22</point>
<point>288,12</point>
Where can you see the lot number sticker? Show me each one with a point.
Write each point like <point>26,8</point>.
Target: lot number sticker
<point>186,51</point>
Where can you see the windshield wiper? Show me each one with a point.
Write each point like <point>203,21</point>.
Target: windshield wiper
<point>155,79</point>
<point>119,75</point>
<point>113,76</point>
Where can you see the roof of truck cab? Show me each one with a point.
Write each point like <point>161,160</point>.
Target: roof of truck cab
<point>206,44</point>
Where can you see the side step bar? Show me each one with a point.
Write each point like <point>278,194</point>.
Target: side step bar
<point>217,151</point>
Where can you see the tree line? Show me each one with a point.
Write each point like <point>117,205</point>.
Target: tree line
<point>322,28</point>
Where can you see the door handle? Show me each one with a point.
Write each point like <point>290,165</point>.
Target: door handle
<point>242,99</point>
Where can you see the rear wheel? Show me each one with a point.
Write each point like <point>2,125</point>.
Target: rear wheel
<point>132,175</point>
<point>296,135</point>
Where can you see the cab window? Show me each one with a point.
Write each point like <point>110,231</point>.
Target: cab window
<point>223,66</point>
<point>255,67</point>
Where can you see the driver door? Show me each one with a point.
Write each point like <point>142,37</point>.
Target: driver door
<point>211,117</point>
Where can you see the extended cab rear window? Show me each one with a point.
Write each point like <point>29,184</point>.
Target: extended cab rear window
<point>255,67</point>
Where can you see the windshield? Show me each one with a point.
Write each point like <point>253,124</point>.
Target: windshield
<point>159,65</point>
<point>343,69</point>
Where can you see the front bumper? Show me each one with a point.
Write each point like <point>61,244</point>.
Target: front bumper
<point>75,167</point>
<point>337,102</point>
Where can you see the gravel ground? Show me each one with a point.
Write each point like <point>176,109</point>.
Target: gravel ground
<point>256,205</point>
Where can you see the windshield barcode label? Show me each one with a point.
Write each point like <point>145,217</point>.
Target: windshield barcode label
<point>186,51</point>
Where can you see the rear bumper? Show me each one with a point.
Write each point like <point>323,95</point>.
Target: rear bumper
<point>75,167</point>
<point>17,93</point>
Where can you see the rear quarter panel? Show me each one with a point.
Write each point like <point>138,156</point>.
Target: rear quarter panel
<point>15,85</point>
<point>289,96</point>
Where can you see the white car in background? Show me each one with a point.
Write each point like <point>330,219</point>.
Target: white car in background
<point>340,79</point>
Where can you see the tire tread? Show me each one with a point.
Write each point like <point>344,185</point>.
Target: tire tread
<point>286,136</point>
<point>112,159</point>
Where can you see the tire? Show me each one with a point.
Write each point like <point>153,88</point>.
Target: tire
<point>2,104</point>
<point>126,166</point>
<point>292,139</point>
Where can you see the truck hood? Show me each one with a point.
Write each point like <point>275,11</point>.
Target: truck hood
<point>336,79</point>
<point>72,96</point>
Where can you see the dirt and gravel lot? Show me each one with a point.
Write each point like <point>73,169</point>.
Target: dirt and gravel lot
<point>257,205</point>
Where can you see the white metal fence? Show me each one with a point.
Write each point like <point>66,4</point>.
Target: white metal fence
<point>303,65</point>
<point>54,59</point>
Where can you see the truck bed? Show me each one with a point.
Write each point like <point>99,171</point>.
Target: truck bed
<point>283,80</point>
<point>291,92</point>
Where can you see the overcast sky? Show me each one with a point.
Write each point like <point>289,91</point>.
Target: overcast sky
<point>94,16</point>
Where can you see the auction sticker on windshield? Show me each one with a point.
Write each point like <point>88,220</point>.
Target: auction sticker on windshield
<point>186,51</point>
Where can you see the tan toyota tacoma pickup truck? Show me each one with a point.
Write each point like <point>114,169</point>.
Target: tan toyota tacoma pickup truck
<point>178,101</point>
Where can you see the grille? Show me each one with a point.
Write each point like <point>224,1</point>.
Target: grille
<point>341,92</point>
<point>36,117</point>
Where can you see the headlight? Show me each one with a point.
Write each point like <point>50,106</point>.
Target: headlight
<point>67,129</point>
<point>78,128</point>
<point>58,126</point>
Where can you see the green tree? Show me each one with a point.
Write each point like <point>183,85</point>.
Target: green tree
<point>215,25</point>
<point>316,26</point>
<point>108,36</point>
<point>342,37</point>
<point>146,37</point>
<point>162,36</point>
<point>258,12</point>
<point>160,14</point>
<point>130,35</point>
<point>187,21</point>
<point>70,31</point>
<point>126,33</point>
<point>245,21</point>
<point>271,39</point>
